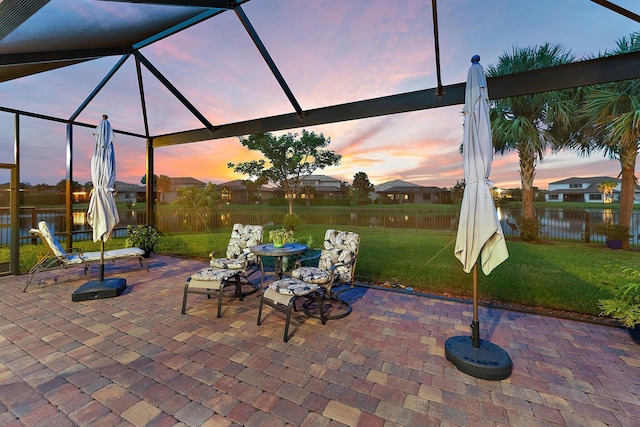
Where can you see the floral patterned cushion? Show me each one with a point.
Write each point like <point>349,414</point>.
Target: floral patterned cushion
<point>293,287</point>
<point>340,247</point>
<point>242,238</point>
<point>214,274</point>
<point>311,275</point>
<point>234,264</point>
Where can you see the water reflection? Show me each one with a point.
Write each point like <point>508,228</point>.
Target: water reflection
<point>79,218</point>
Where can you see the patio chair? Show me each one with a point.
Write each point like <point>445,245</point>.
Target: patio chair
<point>58,258</point>
<point>238,253</point>
<point>283,294</point>
<point>210,281</point>
<point>239,264</point>
<point>336,267</point>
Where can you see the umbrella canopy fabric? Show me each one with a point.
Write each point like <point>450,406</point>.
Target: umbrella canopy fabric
<point>102,215</point>
<point>479,230</point>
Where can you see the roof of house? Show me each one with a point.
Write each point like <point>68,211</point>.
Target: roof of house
<point>124,187</point>
<point>234,184</point>
<point>580,180</point>
<point>395,183</point>
<point>399,186</point>
<point>593,182</point>
<point>184,181</point>
<point>321,178</point>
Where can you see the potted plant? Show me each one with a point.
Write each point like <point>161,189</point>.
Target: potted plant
<point>280,236</point>
<point>143,236</point>
<point>625,304</point>
<point>614,233</point>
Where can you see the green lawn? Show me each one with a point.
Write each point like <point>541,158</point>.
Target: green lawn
<point>563,276</point>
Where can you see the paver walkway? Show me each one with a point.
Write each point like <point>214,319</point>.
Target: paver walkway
<point>135,360</point>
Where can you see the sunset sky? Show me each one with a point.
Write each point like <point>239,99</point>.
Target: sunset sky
<point>329,52</point>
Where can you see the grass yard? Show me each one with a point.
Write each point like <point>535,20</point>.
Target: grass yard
<point>561,276</point>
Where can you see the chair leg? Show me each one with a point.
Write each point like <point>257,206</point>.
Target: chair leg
<point>31,273</point>
<point>184,298</point>
<point>260,309</point>
<point>238,285</point>
<point>286,325</point>
<point>220,289</point>
<point>143,263</point>
<point>320,302</point>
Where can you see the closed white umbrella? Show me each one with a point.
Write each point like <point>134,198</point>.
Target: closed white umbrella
<point>102,214</point>
<point>479,231</point>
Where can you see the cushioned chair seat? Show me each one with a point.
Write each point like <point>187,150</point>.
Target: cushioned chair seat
<point>227,263</point>
<point>312,275</point>
<point>214,275</point>
<point>239,263</point>
<point>210,280</point>
<point>282,295</point>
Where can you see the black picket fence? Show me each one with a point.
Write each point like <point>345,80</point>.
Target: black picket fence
<point>555,224</point>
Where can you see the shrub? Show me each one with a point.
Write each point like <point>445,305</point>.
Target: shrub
<point>292,221</point>
<point>613,231</point>
<point>625,305</point>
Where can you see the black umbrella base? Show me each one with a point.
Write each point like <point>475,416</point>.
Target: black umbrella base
<point>96,289</point>
<point>488,362</point>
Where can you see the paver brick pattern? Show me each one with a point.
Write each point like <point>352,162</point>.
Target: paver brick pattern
<point>136,360</point>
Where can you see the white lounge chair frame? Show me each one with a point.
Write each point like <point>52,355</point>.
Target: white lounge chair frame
<point>58,258</point>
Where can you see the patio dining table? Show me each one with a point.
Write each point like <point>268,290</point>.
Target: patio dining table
<point>277,253</point>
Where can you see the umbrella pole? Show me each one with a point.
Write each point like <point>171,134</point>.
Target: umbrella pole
<point>475,323</point>
<point>102,259</point>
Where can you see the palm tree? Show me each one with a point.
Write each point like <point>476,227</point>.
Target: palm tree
<point>529,123</point>
<point>612,114</point>
<point>199,199</point>
<point>253,187</point>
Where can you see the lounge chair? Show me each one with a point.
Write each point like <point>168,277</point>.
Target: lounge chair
<point>59,258</point>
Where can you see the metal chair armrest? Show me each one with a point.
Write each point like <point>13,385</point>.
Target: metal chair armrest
<point>300,261</point>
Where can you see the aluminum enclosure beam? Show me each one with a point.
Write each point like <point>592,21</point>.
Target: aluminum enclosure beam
<point>585,73</point>
<point>62,55</point>
<point>218,4</point>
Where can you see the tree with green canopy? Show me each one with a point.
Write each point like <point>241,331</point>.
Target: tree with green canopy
<point>611,116</point>
<point>529,123</point>
<point>287,160</point>
<point>361,188</point>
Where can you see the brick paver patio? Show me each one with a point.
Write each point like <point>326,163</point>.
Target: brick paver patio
<point>135,360</point>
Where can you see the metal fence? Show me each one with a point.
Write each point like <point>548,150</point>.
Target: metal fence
<point>555,224</point>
